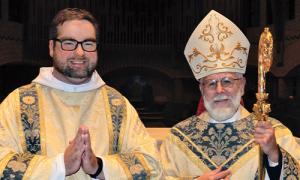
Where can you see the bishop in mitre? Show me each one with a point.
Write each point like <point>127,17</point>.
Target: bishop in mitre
<point>223,142</point>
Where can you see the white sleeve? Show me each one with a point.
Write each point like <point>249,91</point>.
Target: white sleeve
<point>58,169</point>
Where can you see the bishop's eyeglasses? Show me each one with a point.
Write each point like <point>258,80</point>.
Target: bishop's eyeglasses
<point>72,44</point>
<point>226,82</point>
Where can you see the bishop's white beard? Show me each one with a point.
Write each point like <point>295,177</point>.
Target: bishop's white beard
<point>223,113</point>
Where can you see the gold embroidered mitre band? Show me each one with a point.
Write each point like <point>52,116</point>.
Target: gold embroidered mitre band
<point>217,45</point>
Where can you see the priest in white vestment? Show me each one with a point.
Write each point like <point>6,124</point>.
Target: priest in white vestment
<point>68,124</point>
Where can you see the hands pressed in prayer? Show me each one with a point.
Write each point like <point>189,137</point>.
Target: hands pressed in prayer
<point>264,135</point>
<point>215,174</point>
<point>79,153</point>
<point>73,154</point>
<point>89,160</point>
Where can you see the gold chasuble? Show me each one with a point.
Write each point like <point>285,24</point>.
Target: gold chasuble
<point>37,122</point>
<point>195,146</point>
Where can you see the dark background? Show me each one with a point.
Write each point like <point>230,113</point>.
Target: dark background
<point>141,50</point>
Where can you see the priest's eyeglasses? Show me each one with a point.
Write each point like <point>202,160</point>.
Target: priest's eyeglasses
<point>226,82</point>
<point>72,44</point>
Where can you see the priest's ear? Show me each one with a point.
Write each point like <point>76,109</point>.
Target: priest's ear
<point>51,47</point>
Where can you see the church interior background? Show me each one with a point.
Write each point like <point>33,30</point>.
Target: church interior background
<point>141,50</point>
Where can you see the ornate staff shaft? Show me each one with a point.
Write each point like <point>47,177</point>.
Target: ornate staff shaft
<point>261,108</point>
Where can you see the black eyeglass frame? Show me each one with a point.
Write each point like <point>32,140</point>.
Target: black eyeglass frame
<point>76,45</point>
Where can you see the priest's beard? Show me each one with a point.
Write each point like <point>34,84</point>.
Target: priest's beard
<point>66,69</point>
<point>223,113</point>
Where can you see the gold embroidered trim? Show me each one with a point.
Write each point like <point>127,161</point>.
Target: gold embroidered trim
<point>116,115</point>
<point>109,120</point>
<point>141,158</point>
<point>124,125</point>
<point>134,165</point>
<point>17,166</point>
<point>30,118</point>
<point>195,159</point>
<point>19,122</point>
<point>290,166</point>
<point>4,161</point>
<point>42,121</point>
<point>124,166</point>
<point>31,167</point>
<point>237,152</point>
<point>253,153</point>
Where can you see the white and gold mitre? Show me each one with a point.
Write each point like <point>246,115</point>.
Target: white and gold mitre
<point>217,45</point>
